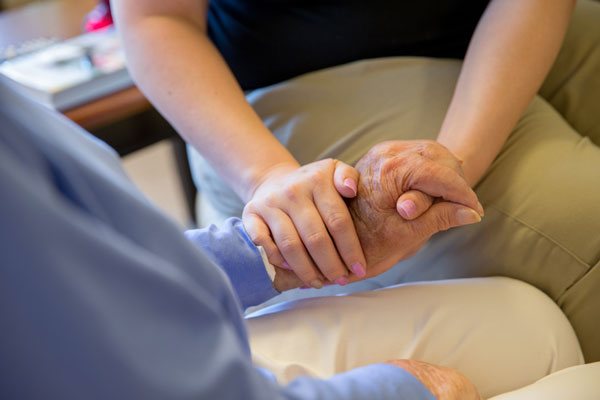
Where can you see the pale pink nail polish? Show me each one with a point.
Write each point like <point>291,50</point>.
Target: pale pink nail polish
<point>350,184</point>
<point>342,280</point>
<point>358,269</point>
<point>286,265</point>
<point>409,207</point>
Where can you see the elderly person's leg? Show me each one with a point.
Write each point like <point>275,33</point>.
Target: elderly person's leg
<point>580,382</point>
<point>501,333</point>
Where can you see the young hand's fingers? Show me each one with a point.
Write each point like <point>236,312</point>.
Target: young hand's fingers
<point>413,204</point>
<point>315,236</point>
<point>338,221</point>
<point>259,233</point>
<point>345,179</point>
<point>292,247</point>
<point>438,180</point>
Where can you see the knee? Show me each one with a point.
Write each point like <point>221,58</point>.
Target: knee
<point>536,321</point>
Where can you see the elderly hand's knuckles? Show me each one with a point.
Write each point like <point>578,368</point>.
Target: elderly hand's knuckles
<point>393,163</point>
<point>426,171</point>
<point>434,151</point>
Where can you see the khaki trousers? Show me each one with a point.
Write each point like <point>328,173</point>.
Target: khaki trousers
<point>501,333</point>
<point>541,195</point>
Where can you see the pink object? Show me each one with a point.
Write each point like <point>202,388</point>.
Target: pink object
<point>285,265</point>
<point>358,270</point>
<point>100,17</point>
<point>342,280</point>
<point>409,207</point>
<point>350,184</point>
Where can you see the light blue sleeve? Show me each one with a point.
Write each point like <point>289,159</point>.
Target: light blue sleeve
<point>102,297</point>
<point>376,382</point>
<point>233,251</point>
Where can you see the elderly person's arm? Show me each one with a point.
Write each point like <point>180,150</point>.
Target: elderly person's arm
<point>102,297</point>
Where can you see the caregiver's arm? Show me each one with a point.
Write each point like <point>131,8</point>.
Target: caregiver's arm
<point>182,73</point>
<point>508,58</point>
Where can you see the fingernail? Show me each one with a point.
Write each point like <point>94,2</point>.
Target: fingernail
<point>350,184</point>
<point>342,280</point>
<point>317,284</point>
<point>466,216</point>
<point>358,269</point>
<point>286,265</point>
<point>409,207</point>
<point>481,208</point>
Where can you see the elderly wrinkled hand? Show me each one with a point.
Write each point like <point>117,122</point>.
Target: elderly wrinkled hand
<point>390,173</point>
<point>438,178</point>
<point>444,383</point>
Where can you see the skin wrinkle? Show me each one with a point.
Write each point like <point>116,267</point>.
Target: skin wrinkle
<point>384,235</point>
<point>443,382</point>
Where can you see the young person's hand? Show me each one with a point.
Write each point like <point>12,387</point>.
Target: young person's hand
<point>299,217</point>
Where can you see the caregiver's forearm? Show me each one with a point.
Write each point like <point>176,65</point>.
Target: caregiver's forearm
<point>508,58</point>
<point>184,76</point>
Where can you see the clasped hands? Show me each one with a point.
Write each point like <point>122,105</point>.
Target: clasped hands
<point>399,195</point>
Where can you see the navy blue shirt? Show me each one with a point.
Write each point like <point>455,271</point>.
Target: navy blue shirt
<point>268,41</point>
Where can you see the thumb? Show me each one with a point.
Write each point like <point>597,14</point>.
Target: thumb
<point>443,216</point>
<point>412,204</point>
<point>345,179</point>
